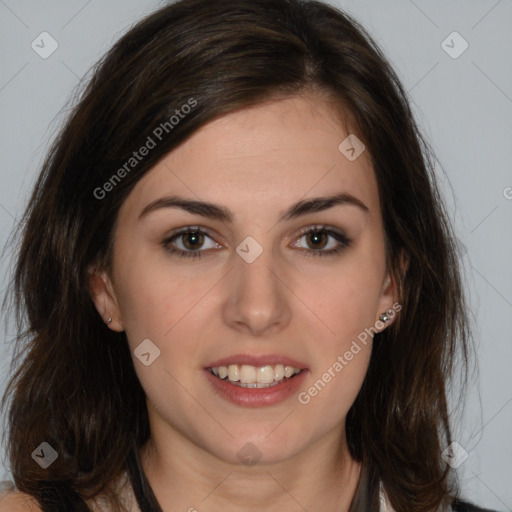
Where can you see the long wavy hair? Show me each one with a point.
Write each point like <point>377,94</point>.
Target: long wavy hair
<point>73,383</point>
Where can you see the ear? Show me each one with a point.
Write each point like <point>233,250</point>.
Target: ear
<point>104,298</point>
<point>390,294</point>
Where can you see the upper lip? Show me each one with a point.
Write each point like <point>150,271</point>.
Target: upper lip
<point>258,361</point>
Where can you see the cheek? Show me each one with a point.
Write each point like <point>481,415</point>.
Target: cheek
<point>331,390</point>
<point>344,301</point>
<point>165,312</point>
<point>153,301</point>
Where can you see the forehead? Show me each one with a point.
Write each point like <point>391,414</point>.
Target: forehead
<point>261,159</point>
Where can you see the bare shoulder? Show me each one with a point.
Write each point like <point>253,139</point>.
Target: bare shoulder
<point>15,501</point>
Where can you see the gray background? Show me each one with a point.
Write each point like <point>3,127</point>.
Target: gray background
<point>464,106</point>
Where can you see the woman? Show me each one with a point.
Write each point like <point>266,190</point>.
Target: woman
<point>190,349</point>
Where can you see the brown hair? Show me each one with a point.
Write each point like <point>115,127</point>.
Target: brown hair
<point>75,386</point>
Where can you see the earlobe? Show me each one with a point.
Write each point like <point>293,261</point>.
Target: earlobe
<point>104,298</point>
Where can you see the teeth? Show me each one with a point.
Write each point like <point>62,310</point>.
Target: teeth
<point>233,374</point>
<point>278,371</point>
<point>288,371</point>
<point>265,375</point>
<point>249,376</point>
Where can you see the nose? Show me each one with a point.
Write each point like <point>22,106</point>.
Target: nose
<point>257,298</point>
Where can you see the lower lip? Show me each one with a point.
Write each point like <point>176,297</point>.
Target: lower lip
<point>256,397</point>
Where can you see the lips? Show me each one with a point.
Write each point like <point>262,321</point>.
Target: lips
<point>255,380</point>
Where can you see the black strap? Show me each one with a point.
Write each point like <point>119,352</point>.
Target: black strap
<point>366,498</point>
<point>143,493</point>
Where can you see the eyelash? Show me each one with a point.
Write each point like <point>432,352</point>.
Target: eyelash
<point>344,241</point>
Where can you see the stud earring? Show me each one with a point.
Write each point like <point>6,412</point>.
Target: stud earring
<point>109,320</point>
<point>385,316</point>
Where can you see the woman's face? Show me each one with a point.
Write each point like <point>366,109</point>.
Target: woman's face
<point>257,296</point>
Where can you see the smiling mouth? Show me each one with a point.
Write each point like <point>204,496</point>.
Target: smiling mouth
<point>247,376</point>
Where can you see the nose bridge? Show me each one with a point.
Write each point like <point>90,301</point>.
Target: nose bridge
<point>257,297</point>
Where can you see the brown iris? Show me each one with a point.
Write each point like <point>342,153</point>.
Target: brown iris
<point>316,238</point>
<point>195,237</point>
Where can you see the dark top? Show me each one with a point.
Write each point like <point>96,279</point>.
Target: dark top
<point>463,506</point>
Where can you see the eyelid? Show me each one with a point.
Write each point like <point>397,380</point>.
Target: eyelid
<point>320,227</point>
<point>190,228</point>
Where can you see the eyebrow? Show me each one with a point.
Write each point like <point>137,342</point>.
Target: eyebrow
<point>218,212</point>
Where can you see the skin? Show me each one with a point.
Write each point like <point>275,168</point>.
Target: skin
<point>257,162</point>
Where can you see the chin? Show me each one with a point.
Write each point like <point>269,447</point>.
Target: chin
<point>257,449</point>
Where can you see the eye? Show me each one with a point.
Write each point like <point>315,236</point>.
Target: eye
<point>318,237</point>
<point>189,241</point>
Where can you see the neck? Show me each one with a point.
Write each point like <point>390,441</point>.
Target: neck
<point>184,477</point>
